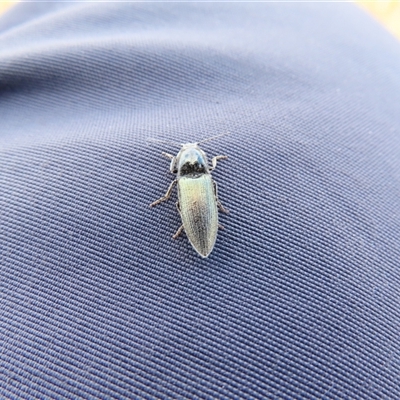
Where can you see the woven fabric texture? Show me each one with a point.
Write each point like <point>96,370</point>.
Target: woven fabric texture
<point>300,297</point>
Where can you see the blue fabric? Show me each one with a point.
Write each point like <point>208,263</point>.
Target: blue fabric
<point>300,297</point>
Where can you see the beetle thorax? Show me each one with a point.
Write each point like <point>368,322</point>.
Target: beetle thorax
<point>191,161</point>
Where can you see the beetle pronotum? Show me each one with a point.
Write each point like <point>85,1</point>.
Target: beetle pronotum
<point>197,196</point>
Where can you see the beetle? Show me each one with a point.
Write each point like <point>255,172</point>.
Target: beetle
<point>198,201</point>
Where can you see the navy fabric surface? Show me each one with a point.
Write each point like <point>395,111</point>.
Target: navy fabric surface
<point>300,297</point>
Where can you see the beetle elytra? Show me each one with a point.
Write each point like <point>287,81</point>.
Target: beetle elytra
<point>198,201</point>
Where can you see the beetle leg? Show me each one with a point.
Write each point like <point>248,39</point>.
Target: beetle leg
<point>170,156</point>
<point>214,161</point>
<point>221,207</point>
<point>172,165</point>
<point>166,196</point>
<point>178,232</point>
<point>173,161</point>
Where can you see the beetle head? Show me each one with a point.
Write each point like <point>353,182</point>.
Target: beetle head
<point>191,160</point>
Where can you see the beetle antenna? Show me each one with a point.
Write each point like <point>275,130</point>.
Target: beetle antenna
<point>163,142</point>
<point>213,137</point>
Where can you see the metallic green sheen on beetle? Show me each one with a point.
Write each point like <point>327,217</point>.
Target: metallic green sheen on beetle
<point>197,196</point>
